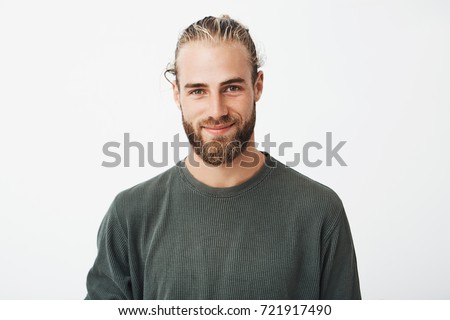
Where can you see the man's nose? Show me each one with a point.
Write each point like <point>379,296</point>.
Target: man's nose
<point>217,107</point>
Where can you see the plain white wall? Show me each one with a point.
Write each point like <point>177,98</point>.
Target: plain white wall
<point>75,75</point>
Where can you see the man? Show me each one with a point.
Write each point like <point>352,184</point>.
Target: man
<point>228,222</point>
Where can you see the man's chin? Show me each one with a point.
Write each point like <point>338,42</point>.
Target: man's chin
<point>216,153</point>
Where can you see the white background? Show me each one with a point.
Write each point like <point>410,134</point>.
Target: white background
<point>77,74</point>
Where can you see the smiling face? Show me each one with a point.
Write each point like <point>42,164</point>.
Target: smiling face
<point>217,98</point>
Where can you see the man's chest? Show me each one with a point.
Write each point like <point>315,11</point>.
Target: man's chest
<point>213,258</point>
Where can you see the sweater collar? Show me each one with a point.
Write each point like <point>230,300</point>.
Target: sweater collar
<point>257,178</point>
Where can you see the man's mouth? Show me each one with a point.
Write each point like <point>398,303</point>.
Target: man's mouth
<point>218,129</point>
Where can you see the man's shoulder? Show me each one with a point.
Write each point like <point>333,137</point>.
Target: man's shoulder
<point>299,185</point>
<point>146,191</point>
<point>307,198</point>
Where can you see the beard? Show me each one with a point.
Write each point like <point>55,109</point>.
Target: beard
<point>222,149</point>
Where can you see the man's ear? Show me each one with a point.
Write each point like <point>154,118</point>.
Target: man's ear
<point>259,85</point>
<point>176,94</point>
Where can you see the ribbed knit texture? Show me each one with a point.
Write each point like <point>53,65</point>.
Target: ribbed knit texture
<point>279,235</point>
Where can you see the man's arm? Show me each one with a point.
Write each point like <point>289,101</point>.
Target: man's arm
<point>109,278</point>
<point>339,280</point>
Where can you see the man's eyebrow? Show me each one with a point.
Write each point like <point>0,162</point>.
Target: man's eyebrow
<point>234,80</point>
<point>224,83</point>
<point>195,85</point>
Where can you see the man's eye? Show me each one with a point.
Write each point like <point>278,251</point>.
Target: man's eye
<point>233,88</point>
<point>197,91</point>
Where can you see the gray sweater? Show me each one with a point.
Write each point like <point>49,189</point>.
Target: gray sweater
<point>279,235</point>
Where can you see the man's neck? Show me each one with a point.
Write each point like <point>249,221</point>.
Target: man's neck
<point>243,167</point>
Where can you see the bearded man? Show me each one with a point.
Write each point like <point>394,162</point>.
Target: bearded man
<point>229,221</point>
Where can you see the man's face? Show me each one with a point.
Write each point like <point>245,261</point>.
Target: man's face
<point>217,99</point>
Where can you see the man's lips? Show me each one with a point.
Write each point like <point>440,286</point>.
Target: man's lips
<point>219,129</point>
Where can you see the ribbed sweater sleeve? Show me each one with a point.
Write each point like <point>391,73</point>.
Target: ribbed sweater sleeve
<point>339,278</point>
<point>110,278</point>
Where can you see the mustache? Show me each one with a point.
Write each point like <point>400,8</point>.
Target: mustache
<point>223,120</point>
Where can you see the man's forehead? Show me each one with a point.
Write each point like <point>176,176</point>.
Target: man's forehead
<point>205,61</point>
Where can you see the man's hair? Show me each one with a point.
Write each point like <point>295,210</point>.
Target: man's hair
<point>216,30</point>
